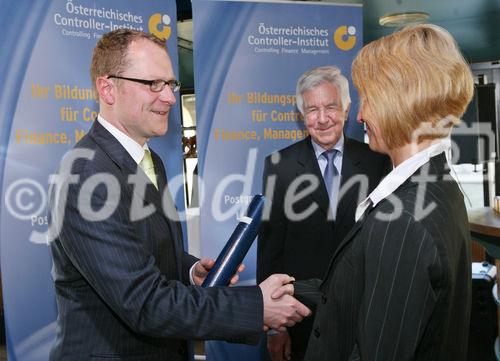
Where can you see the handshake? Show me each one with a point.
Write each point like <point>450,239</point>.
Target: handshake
<point>281,309</point>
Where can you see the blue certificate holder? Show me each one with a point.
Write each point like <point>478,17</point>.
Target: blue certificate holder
<point>237,246</point>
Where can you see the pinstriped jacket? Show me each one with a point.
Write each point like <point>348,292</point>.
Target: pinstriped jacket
<point>303,248</point>
<point>121,284</point>
<point>399,285</point>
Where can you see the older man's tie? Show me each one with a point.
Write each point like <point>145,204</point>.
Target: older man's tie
<point>331,177</point>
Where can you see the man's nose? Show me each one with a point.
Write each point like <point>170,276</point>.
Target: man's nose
<point>167,95</point>
<point>322,115</point>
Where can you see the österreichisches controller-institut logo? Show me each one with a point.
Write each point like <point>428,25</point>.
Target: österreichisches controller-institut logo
<point>159,25</point>
<point>345,37</point>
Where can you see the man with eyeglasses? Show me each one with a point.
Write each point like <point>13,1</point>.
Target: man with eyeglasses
<point>125,288</point>
<point>332,174</point>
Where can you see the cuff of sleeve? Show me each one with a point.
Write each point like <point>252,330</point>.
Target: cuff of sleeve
<point>191,270</point>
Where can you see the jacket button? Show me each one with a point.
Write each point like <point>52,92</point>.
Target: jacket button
<point>316,332</point>
<point>181,350</point>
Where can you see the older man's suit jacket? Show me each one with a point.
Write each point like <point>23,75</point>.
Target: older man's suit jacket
<point>303,248</point>
<point>399,285</point>
<point>120,277</point>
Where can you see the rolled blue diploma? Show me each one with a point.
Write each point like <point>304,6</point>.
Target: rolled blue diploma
<point>237,246</point>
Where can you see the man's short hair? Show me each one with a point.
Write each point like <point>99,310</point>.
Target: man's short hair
<point>317,76</point>
<point>110,53</point>
<point>413,78</point>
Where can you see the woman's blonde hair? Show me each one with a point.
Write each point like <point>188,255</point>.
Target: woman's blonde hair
<point>416,75</point>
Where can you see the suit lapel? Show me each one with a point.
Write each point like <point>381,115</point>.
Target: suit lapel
<point>168,203</point>
<point>308,164</point>
<point>347,239</point>
<point>112,147</point>
<point>435,167</point>
<point>350,167</point>
<point>128,166</point>
<point>125,162</point>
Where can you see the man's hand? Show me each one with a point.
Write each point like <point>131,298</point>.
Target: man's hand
<point>279,346</point>
<point>204,265</point>
<point>283,311</point>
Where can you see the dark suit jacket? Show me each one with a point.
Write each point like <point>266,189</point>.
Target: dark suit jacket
<point>304,248</point>
<point>121,283</point>
<point>399,285</point>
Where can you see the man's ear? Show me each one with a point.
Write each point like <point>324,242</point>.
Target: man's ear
<point>106,90</point>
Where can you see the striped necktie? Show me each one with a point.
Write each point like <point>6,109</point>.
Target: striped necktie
<point>148,167</point>
<point>331,179</point>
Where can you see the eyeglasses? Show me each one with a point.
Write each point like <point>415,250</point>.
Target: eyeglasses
<point>156,85</point>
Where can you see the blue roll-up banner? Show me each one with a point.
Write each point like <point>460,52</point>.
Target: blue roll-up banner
<point>247,59</point>
<point>47,104</point>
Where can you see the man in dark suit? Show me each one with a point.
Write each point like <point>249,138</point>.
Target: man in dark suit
<point>399,284</point>
<point>301,235</point>
<point>125,288</point>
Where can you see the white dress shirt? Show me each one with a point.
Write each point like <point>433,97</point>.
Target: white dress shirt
<point>322,162</point>
<point>133,148</point>
<point>401,173</point>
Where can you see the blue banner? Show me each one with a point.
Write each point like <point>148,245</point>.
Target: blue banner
<point>47,103</point>
<point>247,59</point>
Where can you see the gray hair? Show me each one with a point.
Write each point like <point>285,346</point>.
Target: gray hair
<point>323,74</point>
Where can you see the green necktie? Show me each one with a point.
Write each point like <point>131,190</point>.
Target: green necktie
<point>148,167</point>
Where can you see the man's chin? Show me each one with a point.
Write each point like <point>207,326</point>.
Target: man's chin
<point>326,142</point>
<point>160,132</point>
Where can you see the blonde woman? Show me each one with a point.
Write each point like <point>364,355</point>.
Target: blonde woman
<point>398,287</point>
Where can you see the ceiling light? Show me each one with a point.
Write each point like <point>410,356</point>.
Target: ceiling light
<point>402,19</point>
